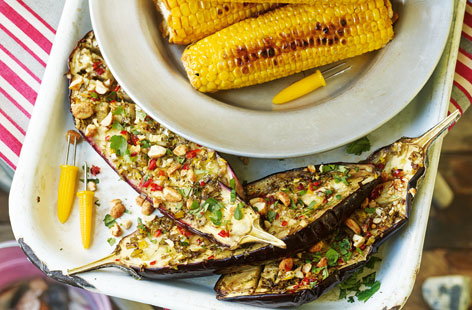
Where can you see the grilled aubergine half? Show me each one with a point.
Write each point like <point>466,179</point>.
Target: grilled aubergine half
<point>298,206</point>
<point>301,278</point>
<point>185,181</point>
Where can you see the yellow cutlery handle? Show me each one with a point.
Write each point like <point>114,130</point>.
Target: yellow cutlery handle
<point>66,191</point>
<point>300,88</point>
<point>86,201</point>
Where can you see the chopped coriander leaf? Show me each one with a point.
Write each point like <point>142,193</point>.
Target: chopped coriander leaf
<point>271,215</point>
<point>96,181</point>
<point>153,241</point>
<point>140,224</point>
<point>369,279</point>
<point>366,294</point>
<point>118,111</point>
<point>312,204</point>
<point>233,195</point>
<point>371,263</point>
<point>325,273</point>
<point>184,243</point>
<point>109,221</point>
<point>301,193</point>
<point>93,95</point>
<point>232,183</point>
<point>135,132</point>
<point>350,299</point>
<point>332,256</point>
<point>339,197</point>
<point>359,146</point>
<point>181,160</point>
<point>369,210</point>
<point>145,144</point>
<point>119,144</point>
<point>195,205</point>
<point>238,212</point>
<point>111,241</point>
<point>216,216</point>
<point>116,125</point>
<point>328,192</point>
<point>328,168</point>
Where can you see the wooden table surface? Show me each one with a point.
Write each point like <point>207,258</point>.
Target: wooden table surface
<point>448,244</point>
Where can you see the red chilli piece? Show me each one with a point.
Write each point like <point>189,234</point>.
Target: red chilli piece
<point>94,170</point>
<point>124,132</point>
<point>223,233</point>
<point>185,167</point>
<point>158,233</point>
<point>107,138</point>
<point>300,186</point>
<point>146,183</point>
<point>117,88</point>
<point>398,173</point>
<point>184,232</point>
<point>156,187</point>
<point>202,183</point>
<point>211,257</point>
<point>162,173</point>
<point>192,153</point>
<point>152,164</point>
<point>284,223</point>
<point>153,262</point>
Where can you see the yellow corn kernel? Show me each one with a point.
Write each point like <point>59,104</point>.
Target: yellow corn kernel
<point>66,191</point>
<point>187,21</point>
<point>285,41</point>
<point>86,201</point>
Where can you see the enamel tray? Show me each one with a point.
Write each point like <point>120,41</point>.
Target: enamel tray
<point>243,121</point>
<point>54,247</point>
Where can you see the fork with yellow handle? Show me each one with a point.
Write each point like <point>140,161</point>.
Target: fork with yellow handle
<point>86,201</point>
<point>309,84</point>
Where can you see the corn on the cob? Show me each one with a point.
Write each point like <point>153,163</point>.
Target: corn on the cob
<point>187,21</point>
<point>285,41</point>
<point>336,2</point>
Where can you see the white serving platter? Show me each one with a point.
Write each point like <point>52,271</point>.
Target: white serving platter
<point>55,247</point>
<point>243,121</point>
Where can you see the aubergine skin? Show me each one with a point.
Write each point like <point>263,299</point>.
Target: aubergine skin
<point>391,173</point>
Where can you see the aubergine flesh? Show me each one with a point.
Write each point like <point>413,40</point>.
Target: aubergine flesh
<point>300,206</point>
<point>180,178</point>
<point>301,278</point>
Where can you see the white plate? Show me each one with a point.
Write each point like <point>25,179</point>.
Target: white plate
<point>243,121</point>
<point>55,247</point>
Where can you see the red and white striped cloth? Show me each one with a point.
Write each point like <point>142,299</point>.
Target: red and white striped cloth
<point>26,37</point>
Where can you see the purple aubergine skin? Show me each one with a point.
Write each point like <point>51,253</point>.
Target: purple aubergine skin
<point>308,295</point>
<point>302,240</point>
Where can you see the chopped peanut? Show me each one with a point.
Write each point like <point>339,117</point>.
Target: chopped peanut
<point>322,263</point>
<point>358,240</point>
<point>106,122</point>
<point>283,197</point>
<point>117,208</point>
<point>180,150</point>
<point>157,151</point>
<point>116,230</point>
<point>353,226</point>
<point>140,200</point>
<point>147,208</point>
<point>191,176</point>
<point>173,168</point>
<point>90,130</point>
<point>127,224</point>
<point>317,247</point>
<point>286,264</point>
<point>82,110</point>
<point>171,194</point>
<point>311,168</point>
<point>100,88</point>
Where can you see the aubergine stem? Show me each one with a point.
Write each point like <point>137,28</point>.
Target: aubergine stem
<point>102,262</point>
<point>257,234</point>
<point>424,141</point>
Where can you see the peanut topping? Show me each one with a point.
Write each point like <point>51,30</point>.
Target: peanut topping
<point>180,150</point>
<point>157,151</point>
<point>353,226</point>
<point>283,197</point>
<point>171,194</point>
<point>117,208</point>
<point>286,264</point>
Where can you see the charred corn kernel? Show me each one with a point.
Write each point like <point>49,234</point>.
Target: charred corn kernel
<point>336,2</point>
<point>285,41</point>
<point>66,191</point>
<point>300,88</point>
<point>187,21</point>
<point>86,201</point>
